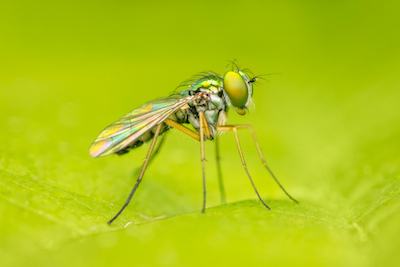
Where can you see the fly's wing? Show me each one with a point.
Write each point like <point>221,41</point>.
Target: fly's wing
<point>135,124</point>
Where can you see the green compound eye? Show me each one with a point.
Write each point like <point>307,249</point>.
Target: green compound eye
<point>236,89</point>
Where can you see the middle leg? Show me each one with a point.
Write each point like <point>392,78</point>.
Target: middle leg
<point>203,131</point>
<point>202,126</point>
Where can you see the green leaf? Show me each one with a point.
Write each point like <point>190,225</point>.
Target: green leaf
<point>328,126</point>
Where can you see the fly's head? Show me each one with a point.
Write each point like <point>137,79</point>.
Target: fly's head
<point>238,86</point>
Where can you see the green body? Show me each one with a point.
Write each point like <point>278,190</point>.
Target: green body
<point>211,93</point>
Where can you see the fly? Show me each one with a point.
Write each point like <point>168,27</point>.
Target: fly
<point>204,105</point>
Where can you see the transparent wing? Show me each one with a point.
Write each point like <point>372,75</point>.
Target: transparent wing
<point>136,123</point>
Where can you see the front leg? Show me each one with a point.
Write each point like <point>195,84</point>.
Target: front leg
<point>204,129</point>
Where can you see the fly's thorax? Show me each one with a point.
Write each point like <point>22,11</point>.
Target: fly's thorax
<point>211,102</point>
<point>212,84</point>
<point>211,106</point>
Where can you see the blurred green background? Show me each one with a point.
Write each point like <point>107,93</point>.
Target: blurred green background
<point>328,124</point>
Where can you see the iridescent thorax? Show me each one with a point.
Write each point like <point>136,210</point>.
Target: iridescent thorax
<point>213,84</point>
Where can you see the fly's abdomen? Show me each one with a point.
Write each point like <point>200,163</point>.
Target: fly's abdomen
<point>180,117</point>
<point>143,139</point>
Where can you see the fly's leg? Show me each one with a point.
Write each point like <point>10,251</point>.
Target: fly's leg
<point>234,129</point>
<point>183,129</point>
<point>220,180</point>
<point>204,129</point>
<point>155,152</point>
<point>146,161</point>
<point>249,127</point>
<point>203,126</point>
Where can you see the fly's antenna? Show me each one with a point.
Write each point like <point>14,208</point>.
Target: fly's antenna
<point>262,77</point>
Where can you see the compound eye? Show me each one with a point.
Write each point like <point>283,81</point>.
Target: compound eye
<point>236,89</point>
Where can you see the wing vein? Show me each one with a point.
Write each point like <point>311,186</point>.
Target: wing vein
<point>135,124</point>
